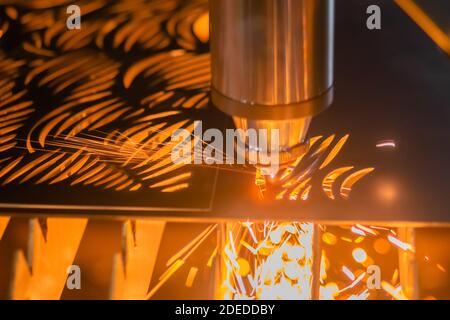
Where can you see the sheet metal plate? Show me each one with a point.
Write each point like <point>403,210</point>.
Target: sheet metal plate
<point>390,84</point>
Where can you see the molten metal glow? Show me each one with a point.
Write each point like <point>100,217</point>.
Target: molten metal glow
<point>268,261</point>
<point>277,260</point>
<point>359,255</point>
<point>295,260</point>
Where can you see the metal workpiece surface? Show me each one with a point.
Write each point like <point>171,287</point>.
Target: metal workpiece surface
<point>379,153</point>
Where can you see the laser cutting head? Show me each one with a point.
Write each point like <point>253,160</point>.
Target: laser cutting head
<point>272,65</point>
